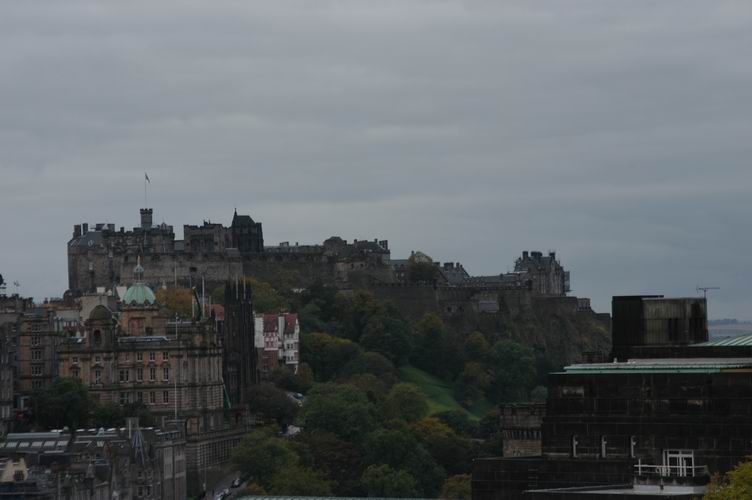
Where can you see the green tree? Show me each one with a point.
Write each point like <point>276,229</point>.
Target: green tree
<point>736,483</point>
<point>355,311</point>
<point>64,403</point>
<point>372,363</point>
<point>176,300</point>
<point>384,481</point>
<point>473,383</point>
<point>387,336</point>
<point>265,298</point>
<point>340,460</point>
<point>406,402</point>
<point>327,354</point>
<point>273,403</point>
<point>457,487</point>
<point>108,415</point>
<point>260,455</point>
<point>458,420</point>
<point>294,479</point>
<point>477,347</point>
<point>449,450</point>
<point>338,408</point>
<point>389,446</point>
<point>284,378</point>
<point>514,372</point>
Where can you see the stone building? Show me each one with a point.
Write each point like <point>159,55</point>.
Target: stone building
<point>545,273</point>
<point>521,429</point>
<point>239,369</point>
<point>657,422</point>
<point>277,341</point>
<point>101,256</point>
<point>101,464</point>
<point>173,367</point>
<point>37,344</point>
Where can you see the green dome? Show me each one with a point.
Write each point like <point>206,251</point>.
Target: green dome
<point>139,295</point>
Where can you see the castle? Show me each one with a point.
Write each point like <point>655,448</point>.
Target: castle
<point>101,256</point>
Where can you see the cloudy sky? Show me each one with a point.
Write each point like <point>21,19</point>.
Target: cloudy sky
<point>617,133</point>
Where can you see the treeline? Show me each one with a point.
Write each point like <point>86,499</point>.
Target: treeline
<point>363,431</point>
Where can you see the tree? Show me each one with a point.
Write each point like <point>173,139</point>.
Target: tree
<point>457,487</point>
<point>391,447</point>
<point>294,479</point>
<point>477,347</point>
<point>284,378</point>
<point>65,403</point>
<point>384,481</point>
<point>273,403</point>
<point>473,383</point>
<point>539,394</point>
<point>355,311</point>
<point>514,372</point>
<point>457,420</point>
<point>340,460</point>
<point>265,297</point>
<point>338,408</point>
<point>406,402</point>
<point>176,300</point>
<point>260,455</point>
<point>327,354</point>
<point>736,483</point>
<point>372,363</point>
<point>108,415</point>
<point>387,336</point>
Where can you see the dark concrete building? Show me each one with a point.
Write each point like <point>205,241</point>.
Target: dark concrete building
<point>656,423</point>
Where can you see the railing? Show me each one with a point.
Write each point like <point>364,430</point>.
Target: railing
<point>670,470</point>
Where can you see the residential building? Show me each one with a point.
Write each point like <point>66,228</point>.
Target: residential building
<point>277,340</point>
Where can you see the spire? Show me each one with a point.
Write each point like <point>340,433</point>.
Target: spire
<point>138,271</point>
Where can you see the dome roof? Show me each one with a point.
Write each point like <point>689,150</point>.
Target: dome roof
<point>139,295</point>
<point>100,313</point>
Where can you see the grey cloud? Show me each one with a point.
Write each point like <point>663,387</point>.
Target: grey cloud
<point>614,132</point>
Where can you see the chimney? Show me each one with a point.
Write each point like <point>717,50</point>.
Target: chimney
<point>552,255</point>
<point>85,228</point>
<point>111,227</point>
<point>77,231</point>
<point>146,214</point>
<point>525,254</point>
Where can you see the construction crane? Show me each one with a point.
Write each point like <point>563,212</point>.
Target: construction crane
<point>704,290</point>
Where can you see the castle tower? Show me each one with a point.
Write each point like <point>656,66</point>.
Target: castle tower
<point>146,218</point>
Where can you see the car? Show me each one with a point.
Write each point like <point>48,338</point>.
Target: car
<point>236,482</point>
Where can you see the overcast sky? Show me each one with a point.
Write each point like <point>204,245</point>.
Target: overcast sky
<point>617,133</point>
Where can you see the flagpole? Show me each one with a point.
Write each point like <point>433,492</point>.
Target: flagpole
<point>146,203</point>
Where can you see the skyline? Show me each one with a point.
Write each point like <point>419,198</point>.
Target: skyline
<point>615,134</point>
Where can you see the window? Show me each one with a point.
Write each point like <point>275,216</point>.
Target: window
<point>36,370</point>
<point>97,376</point>
<point>165,356</point>
<point>166,373</point>
<point>36,355</point>
<point>75,359</point>
<point>76,372</point>
<point>152,397</point>
<point>123,398</point>
<point>140,397</point>
<point>165,397</point>
<point>127,356</point>
<point>97,359</point>
<point>152,357</point>
<point>139,374</point>
<point>97,337</point>
<point>140,491</point>
<point>152,374</point>
<point>139,356</point>
<point>125,375</point>
<point>36,340</point>
<point>36,384</point>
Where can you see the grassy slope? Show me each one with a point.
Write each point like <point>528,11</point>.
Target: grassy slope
<point>440,394</point>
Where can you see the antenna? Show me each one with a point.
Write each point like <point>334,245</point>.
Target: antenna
<point>704,290</point>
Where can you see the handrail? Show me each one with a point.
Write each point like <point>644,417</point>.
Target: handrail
<point>670,470</point>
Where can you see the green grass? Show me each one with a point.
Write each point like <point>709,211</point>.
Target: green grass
<point>440,393</point>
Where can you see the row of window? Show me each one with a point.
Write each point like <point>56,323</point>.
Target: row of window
<point>125,375</point>
<point>126,356</point>
<point>125,397</point>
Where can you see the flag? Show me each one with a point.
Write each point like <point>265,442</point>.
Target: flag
<point>146,177</point>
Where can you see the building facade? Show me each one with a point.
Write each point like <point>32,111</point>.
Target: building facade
<point>277,342</point>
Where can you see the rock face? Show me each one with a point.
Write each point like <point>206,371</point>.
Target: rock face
<point>559,328</point>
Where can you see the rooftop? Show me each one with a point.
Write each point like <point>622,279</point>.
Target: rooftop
<point>664,365</point>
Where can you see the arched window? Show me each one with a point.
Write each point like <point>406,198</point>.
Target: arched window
<point>97,338</point>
